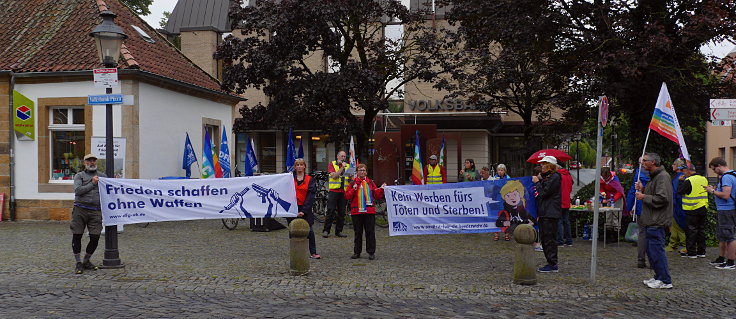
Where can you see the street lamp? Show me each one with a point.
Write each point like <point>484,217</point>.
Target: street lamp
<point>109,38</point>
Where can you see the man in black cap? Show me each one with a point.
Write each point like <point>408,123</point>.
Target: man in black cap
<point>86,213</point>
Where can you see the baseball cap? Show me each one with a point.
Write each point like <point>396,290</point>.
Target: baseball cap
<point>434,157</point>
<point>90,156</point>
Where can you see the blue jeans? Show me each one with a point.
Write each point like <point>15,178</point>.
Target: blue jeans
<point>656,254</point>
<point>564,236</point>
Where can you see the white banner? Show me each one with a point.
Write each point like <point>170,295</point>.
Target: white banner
<point>130,201</point>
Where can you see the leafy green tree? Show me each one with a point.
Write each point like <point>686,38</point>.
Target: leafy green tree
<point>140,7</point>
<point>282,39</point>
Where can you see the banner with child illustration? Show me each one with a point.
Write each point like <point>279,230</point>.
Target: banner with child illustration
<point>470,207</point>
<point>130,201</point>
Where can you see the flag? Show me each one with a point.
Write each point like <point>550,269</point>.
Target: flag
<point>224,156</point>
<point>664,121</point>
<point>353,161</point>
<point>417,172</point>
<point>190,157</point>
<point>208,169</point>
<point>251,163</point>
<point>290,154</point>
<point>216,161</point>
<point>442,159</point>
<point>300,154</point>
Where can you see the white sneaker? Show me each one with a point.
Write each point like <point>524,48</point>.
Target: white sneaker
<point>657,284</point>
<point>647,281</point>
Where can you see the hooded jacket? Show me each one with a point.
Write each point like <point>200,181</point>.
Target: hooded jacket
<point>657,202</point>
<point>566,187</point>
<point>549,198</point>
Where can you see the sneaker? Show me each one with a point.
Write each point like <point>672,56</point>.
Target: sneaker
<point>341,235</point>
<point>371,257</point>
<point>726,266</point>
<point>88,265</point>
<point>650,280</point>
<point>701,256</point>
<point>657,284</point>
<point>538,248</point>
<point>495,237</point>
<point>718,261</point>
<point>79,268</point>
<point>355,256</point>
<point>568,245</point>
<point>315,256</point>
<point>325,234</point>
<point>686,255</point>
<point>548,268</point>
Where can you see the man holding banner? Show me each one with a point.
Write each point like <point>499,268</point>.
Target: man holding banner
<point>86,213</point>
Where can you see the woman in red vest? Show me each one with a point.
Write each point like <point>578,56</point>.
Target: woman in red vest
<point>305,190</point>
<point>361,194</point>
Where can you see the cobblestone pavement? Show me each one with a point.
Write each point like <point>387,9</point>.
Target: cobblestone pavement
<point>197,269</point>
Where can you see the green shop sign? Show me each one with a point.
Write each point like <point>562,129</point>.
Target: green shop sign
<point>23,121</point>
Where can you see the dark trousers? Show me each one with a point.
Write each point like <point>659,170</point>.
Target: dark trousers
<point>548,236</point>
<point>312,241</point>
<point>367,223</point>
<point>641,243</point>
<point>657,256</point>
<point>695,231</point>
<point>564,236</point>
<point>336,203</point>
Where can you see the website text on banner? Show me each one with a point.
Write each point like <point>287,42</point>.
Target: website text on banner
<point>471,207</point>
<point>130,201</point>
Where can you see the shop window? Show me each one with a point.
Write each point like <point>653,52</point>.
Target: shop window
<point>67,142</point>
<point>267,152</point>
<point>733,129</point>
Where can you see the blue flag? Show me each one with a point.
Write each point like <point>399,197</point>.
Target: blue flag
<point>290,154</point>
<point>189,157</point>
<point>251,163</point>
<point>224,155</point>
<point>300,154</point>
<point>208,168</point>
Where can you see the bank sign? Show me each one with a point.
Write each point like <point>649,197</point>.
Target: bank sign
<point>23,119</point>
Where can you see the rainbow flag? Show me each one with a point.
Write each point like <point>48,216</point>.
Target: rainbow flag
<point>664,121</point>
<point>417,172</point>
<point>364,197</point>
<point>208,170</point>
<point>442,158</point>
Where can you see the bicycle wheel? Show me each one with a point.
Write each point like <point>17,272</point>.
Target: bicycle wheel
<point>230,223</point>
<point>381,217</point>
<point>320,206</point>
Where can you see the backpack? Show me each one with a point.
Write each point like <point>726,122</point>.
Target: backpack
<point>720,179</point>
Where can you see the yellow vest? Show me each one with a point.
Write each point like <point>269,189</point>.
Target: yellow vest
<point>335,183</point>
<point>698,197</point>
<point>434,175</point>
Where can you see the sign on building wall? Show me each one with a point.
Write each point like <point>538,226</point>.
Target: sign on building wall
<point>99,147</point>
<point>23,117</point>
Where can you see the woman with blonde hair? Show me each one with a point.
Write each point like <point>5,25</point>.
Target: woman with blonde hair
<point>305,190</point>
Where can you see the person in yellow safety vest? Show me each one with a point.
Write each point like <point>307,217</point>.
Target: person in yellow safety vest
<point>695,205</point>
<point>434,173</point>
<point>336,202</point>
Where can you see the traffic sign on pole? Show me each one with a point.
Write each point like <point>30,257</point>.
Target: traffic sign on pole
<point>723,103</point>
<point>106,78</point>
<point>722,114</point>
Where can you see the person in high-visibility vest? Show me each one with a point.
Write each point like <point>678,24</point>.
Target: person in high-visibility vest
<point>336,202</point>
<point>695,205</point>
<point>434,173</point>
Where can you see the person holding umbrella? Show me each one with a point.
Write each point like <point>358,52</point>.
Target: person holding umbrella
<point>549,206</point>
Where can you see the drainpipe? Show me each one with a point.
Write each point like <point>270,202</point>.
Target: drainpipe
<point>11,150</point>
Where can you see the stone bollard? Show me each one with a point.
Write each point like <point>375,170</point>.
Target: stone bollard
<point>299,247</point>
<point>524,265</point>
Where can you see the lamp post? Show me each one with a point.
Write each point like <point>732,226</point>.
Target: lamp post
<point>109,38</point>
<point>577,154</point>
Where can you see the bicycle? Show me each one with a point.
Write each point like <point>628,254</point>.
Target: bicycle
<point>381,213</point>
<point>319,207</point>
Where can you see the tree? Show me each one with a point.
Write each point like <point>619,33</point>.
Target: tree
<point>140,7</point>
<point>281,40</point>
<point>513,60</point>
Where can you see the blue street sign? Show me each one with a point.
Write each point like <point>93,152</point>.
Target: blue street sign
<point>105,99</point>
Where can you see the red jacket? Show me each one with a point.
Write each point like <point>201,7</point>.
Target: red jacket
<point>565,187</point>
<point>351,194</point>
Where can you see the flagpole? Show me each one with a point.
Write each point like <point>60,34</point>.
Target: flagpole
<point>596,206</point>
<point>638,176</point>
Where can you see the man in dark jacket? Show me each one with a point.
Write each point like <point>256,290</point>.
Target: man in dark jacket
<point>656,215</point>
<point>549,206</point>
<point>86,213</point>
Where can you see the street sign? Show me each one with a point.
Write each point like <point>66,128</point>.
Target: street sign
<point>106,78</point>
<point>722,114</point>
<point>723,103</point>
<point>721,123</point>
<point>105,99</point>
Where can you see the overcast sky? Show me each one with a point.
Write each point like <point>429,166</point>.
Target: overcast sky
<point>159,6</point>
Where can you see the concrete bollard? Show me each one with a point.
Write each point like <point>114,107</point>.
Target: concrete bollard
<point>524,265</point>
<point>299,247</point>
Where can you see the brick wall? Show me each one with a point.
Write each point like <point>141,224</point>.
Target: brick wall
<point>5,144</point>
<point>199,46</point>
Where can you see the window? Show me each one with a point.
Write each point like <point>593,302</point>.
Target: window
<point>733,129</point>
<point>143,34</point>
<point>67,142</point>
<point>267,150</point>
<point>214,132</point>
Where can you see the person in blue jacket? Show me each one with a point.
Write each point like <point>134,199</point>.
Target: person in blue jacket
<point>641,244</point>
<point>677,233</point>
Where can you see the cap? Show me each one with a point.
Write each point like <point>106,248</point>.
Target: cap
<point>434,157</point>
<point>691,167</point>
<point>90,156</point>
<point>549,159</point>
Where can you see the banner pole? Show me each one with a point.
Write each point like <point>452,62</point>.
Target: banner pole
<point>638,176</point>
